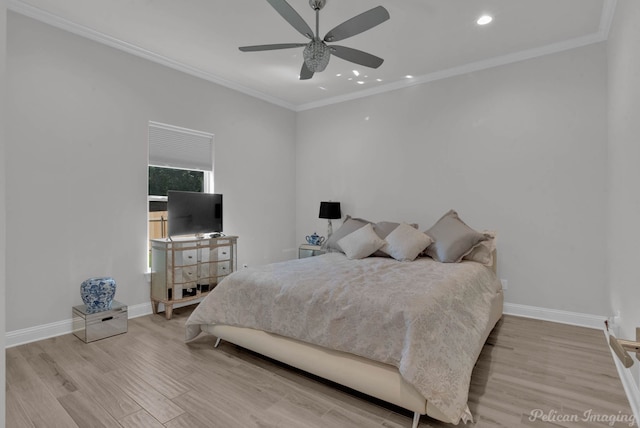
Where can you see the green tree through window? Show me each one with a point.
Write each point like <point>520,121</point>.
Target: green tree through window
<point>161,180</point>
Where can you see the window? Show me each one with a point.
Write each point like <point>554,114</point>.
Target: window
<point>161,180</point>
<point>179,159</point>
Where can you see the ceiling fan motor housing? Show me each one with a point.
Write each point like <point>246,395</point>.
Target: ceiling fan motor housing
<point>317,4</point>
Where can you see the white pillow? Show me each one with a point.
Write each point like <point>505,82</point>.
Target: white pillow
<point>405,243</point>
<point>361,243</point>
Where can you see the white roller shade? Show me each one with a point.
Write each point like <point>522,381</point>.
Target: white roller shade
<point>175,147</point>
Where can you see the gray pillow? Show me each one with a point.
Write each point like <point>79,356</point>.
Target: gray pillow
<point>383,229</point>
<point>453,239</point>
<point>350,225</point>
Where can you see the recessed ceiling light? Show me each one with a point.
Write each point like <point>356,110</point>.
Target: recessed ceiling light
<point>378,80</point>
<point>360,82</point>
<point>356,73</point>
<point>350,78</point>
<point>339,74</point>
<point>322,87</point>
<point>408,76</point>
<point>484,20</point>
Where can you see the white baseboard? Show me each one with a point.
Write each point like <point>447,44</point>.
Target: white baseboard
<point>555,315</point>
<point>58,328</point>
<point>628,383</point>
<point>39,332</point>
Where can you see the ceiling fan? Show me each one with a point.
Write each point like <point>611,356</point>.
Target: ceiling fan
<point>316,52</point>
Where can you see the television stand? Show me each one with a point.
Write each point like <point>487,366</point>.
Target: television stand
<point>186,269</point>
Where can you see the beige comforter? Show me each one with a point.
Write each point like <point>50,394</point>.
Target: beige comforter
<point>423,317</point>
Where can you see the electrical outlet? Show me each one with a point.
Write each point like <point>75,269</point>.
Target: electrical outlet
<point>245,265</point>
<point>505,284</point>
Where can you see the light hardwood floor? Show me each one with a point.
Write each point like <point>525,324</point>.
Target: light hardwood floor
<point>149,378</point>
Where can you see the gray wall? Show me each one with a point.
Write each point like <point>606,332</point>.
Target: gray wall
<point>77,180</point>
<point>520,149</point>
<point>3,180</point>
<point>624,165</point>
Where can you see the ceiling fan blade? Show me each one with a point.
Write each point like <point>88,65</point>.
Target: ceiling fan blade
<point>305,73</point>
<point>292,17</point>
<point>270,47</point>
<point>354,55</point>
<point>358,24</point>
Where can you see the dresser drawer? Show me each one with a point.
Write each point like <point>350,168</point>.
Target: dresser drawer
<point>224,268</point>
<point>224,253</point>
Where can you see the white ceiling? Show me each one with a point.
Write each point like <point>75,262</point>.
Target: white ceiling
<point>428,39</point>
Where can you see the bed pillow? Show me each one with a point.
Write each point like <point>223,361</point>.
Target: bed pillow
<point>383,229</point>
<point>453,239</point>
<point>349,225</point>
<point>405,243</point>
<point>483,251</point>
<point>361,243</point>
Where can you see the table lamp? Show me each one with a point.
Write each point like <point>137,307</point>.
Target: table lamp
<point>330,211</point>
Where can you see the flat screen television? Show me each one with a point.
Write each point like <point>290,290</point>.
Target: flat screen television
<point>192,213</point>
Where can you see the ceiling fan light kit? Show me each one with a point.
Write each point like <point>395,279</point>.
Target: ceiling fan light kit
<point>317,53</point>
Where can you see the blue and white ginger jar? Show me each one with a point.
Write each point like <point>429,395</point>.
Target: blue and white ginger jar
<point>97,293</point>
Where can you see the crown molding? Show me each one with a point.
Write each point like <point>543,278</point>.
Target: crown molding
<point>38,14</point>
<point>463,69</point>
<point>606,19</point>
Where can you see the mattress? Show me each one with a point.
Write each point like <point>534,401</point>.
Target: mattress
<point>425,319</point>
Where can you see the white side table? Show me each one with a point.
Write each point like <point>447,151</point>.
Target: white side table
<point>306,250</point>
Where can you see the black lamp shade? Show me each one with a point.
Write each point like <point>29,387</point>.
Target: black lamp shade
<point>330,210</point>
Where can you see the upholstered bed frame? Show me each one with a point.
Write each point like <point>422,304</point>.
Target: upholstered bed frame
<point>378,380</point>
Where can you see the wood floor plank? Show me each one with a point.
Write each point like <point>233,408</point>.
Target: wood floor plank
<point>15,412</point>
<point>148,369</point>
<point>156,404</point>
<point>86,412</point>
<point>40,406</point>
<point>104,389</point>
<point>56,378</point>
<point>187,420</point>
<point>149,377</point>
<point>140,419</point>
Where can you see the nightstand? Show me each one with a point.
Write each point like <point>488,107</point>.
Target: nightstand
<point>306,250</point>
<point>90,326</point>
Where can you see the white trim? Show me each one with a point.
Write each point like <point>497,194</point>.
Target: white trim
<point>630,387</point>
<point>140,310</point>
<point>606,19</point>
<point>59,328</point>
<point>460,70</point>
<point>41,332</point>
<point>608,11</point>
<point>182,130</point>
<point>554,315</point>
<point>25,9</point>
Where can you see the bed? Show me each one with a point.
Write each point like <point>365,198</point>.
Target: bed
<point>408,333</point>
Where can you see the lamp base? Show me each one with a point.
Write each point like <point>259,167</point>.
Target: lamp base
<point>329,230</point>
